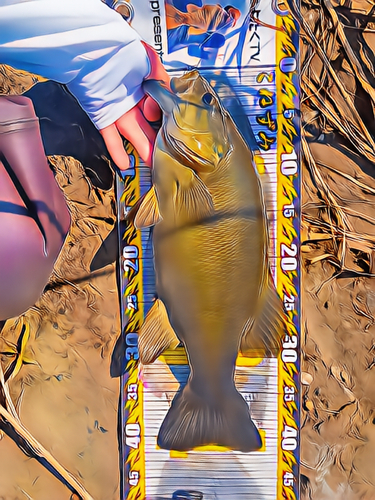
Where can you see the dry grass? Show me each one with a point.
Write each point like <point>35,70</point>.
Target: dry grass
<point>338,233</point>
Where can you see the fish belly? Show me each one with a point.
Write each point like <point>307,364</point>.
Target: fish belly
<point>209,278</point>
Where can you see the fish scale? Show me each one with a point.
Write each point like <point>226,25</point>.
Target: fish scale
<point>221,250</point>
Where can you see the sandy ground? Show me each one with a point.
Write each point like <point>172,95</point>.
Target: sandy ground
<point>63,392</point>
<point>339,334</point>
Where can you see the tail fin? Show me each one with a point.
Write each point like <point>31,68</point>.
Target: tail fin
<point>193,421</point>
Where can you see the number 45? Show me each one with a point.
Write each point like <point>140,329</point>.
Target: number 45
<point>288,479</point>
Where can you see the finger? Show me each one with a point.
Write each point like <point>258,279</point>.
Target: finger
<point>158,72</point>
<point>115,146</point>
<point>134,126</point>
<point>151,110</point>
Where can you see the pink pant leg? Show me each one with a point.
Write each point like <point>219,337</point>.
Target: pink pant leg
<point>34,218</point>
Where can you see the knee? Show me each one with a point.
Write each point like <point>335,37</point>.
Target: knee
<point>16,107</point>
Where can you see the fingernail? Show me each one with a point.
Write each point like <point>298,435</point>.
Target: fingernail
<point>130,171</point>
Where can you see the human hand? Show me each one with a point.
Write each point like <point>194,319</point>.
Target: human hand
<point>135,124</point>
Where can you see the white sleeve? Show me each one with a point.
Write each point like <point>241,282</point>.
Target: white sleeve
<point>81,43</point>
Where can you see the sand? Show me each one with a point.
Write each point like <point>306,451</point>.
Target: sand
<point>63,392</point>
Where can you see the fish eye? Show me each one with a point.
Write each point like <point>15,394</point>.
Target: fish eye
<point>208,98</point>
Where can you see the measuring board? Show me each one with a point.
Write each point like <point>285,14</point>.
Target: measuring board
<point>253,66</point>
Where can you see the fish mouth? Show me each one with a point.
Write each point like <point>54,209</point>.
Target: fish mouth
<point>187,153</point>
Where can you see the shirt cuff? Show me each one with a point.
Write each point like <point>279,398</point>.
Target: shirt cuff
<point>114,85</point>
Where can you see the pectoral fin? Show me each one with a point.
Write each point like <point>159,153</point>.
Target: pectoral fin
<point>192,196</point>
<point>156,334</point>
<point>146,212</point>
<point>262,335</point>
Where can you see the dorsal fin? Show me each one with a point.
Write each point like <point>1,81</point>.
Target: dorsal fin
<point>261,336</point>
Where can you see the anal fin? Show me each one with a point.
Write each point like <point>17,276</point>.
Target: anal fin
<point>156,334</point>
<point>261,336</point>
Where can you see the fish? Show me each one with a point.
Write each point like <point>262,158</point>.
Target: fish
<point>214,290</point>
